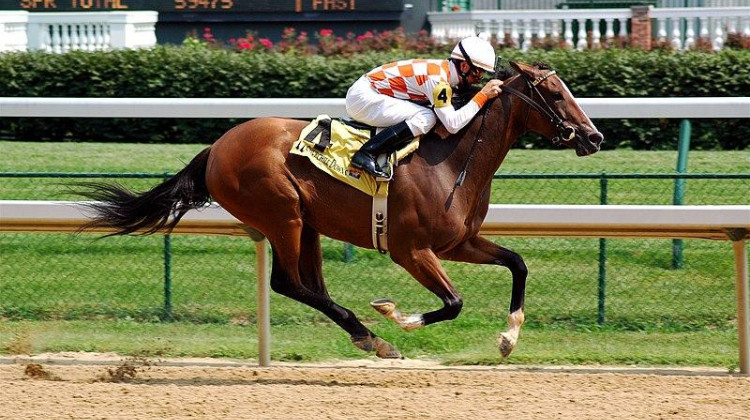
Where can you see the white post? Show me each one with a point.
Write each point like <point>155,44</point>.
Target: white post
<point>569,33</point>
<point>661,29</point>
<point>596,34</point>
<point>555,33</point>
<point>501,31</point>
<point>526,35</point>
<point>690,34</point>
<point>743,323</point>
<point>92,32</point>
<point>582,43</point>
<point>676,33</point>
<point>75,39</point>
<point>13,30</point>
<point>264,303</point>
<point>623,32</point>
<point>65,37</point>
<point>56,44</point>
<point>514,33</point>
<point>484,30</point>
<point>609,33</point>
<point>718,43</point>
<point>704,33</point>
<point>123,29</point>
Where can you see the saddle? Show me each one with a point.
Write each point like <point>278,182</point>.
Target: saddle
<point>330,144</point>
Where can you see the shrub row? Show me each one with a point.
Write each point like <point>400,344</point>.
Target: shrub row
<point>203,73</point>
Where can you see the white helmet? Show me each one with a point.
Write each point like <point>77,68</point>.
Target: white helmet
<point>480,53</point>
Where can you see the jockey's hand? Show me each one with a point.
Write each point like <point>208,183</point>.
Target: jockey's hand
<point>492,88</point>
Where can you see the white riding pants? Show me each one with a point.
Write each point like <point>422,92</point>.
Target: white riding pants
<point>365,104</point>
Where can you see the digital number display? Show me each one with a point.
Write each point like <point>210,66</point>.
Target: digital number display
<point>203,4</point>
<point>298,6</point>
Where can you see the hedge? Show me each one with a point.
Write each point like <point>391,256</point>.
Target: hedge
<point>202,73</point>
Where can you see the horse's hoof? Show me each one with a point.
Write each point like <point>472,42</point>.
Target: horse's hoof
<point>363,343</point>
<point>506,346</point>
<point>382,348</point>
<point>384,306</point>
<point>385,350</point>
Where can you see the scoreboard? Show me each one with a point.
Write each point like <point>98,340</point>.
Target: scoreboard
<point>235,18</point>
<point>262,6</point>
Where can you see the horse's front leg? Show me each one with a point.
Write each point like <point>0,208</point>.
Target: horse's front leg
<point>479,250</point>
<point>425,267</point>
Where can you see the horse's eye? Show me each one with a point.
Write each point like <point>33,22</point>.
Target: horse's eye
<point>557,96</point>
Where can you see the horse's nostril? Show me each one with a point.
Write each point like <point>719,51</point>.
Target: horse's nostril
<point>596,137</point>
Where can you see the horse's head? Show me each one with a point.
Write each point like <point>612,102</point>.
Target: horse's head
<point>554,113</point>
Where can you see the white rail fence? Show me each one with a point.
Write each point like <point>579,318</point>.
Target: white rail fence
<point>708,107</point>
<point>521,27</point>
<point>714,222</point>
<point>61,32</point>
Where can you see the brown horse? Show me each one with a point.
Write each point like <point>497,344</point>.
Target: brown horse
<point>250,172</point>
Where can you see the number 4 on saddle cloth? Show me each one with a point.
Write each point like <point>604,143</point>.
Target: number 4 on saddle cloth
<point>330,143</point>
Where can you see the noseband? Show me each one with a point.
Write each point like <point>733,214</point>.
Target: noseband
<point>563,131</point>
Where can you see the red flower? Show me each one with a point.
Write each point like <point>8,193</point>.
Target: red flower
<point>366,35</point>
<point>326,32</point>
<point>266,42</point>
<point>244,44</point>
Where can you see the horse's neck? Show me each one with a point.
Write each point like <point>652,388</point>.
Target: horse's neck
<point>494,137</point>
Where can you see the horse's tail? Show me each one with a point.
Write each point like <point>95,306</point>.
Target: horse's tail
<point>161,207</point>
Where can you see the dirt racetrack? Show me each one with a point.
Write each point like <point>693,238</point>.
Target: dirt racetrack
<point>72,387</point>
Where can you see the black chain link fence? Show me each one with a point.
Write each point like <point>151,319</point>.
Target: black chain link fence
<point>629,284</point>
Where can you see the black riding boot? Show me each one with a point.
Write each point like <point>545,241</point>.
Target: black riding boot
<point>386,141</point>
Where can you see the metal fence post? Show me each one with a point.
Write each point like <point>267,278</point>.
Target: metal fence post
<point>603,185</point>
<point>264,305</point>
<point>679,186</point>
<point>167,272</point>
<point>167,278</point>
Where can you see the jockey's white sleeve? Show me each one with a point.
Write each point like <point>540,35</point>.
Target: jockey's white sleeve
<point>456,119</point>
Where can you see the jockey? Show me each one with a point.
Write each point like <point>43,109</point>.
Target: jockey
<point>409,96</point>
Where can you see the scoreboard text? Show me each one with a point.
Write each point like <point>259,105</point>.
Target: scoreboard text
<point>207,5</point>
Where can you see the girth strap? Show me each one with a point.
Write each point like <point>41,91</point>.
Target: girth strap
<point>380,218</point>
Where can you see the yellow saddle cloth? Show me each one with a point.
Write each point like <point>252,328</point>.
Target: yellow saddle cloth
<point>330,145</point>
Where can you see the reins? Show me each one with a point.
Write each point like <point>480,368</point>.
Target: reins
<point>477,139</point>
<point>564,132</point>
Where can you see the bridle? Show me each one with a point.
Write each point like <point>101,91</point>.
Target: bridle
<point>564,132</point>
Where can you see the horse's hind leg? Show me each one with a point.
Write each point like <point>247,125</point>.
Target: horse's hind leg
<point>479,250</point>
<point>425,267</point>
<point>311,261</point>
<point>306,285</point>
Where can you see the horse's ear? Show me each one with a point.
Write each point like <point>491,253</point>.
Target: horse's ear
<point>520,67</point>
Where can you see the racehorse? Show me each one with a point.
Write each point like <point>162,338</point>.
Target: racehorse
<point>438,198</point>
